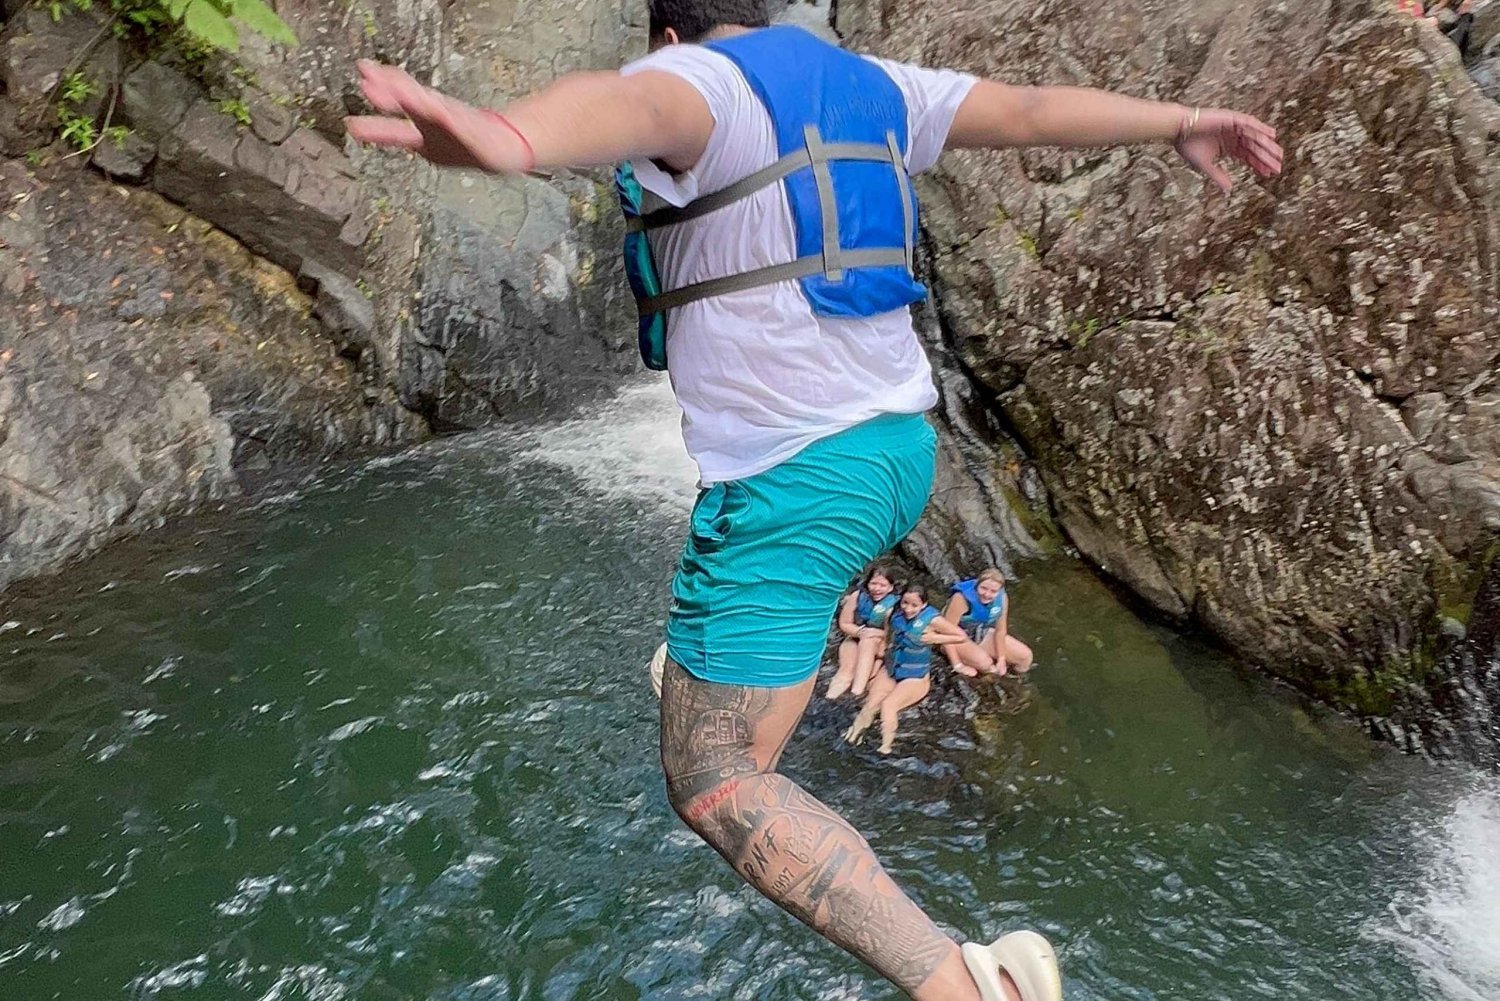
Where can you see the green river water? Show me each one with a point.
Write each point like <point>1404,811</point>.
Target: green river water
<point>390,737</point>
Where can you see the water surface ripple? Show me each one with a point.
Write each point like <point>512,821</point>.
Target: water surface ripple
<point>389,738</point>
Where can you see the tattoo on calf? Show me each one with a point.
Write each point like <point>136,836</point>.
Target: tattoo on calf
<point>810,861</point>
<point>783,841</point>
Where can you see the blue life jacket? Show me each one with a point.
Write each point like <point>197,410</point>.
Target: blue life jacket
<point>872,613</point>
<point>909,657</point>
<point>841,135</point>
<point>980,616</point>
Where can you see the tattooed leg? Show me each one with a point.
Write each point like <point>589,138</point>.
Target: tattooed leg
<point>720,745</point>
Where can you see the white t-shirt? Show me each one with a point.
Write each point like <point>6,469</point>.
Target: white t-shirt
<point>758,374</point>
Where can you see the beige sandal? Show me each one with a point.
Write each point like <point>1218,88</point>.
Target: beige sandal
<point>658,668</point>
<point>1026,956</point>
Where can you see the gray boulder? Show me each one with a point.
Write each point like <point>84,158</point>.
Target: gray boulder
<point>157,353</point>
<point>148,365</point>
<point>492,296</point>
<point>1269,415</point>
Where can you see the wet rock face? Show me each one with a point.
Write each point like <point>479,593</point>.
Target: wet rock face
<point>148,363</point>
<point>988,505</point>
<point>314,299</point>
<point>1274,415</point>
<point>492,295</point>
<point>482,284</point>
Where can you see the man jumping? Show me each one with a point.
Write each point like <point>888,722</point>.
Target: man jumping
<point>771,229</point>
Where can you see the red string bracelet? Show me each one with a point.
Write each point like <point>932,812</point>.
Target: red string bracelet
<point>530,152</point>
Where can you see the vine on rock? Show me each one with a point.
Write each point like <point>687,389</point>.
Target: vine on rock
<point>196,28</point>
<point>205,23</point>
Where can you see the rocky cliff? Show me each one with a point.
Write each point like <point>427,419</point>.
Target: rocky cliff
<point>229,288</point>
<point>1276,416</point>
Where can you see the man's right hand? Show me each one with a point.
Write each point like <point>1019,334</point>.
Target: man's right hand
<point>447,132</point>
<point>1213,134</point>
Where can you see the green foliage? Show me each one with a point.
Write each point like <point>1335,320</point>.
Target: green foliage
<point>1028,243</point>
<point>195,28</point>
<point>78,131</point>
<point>77,88</point>
<point>36,158</point>
<point>1090,328</point>
<point>236,109</point>
<point>206,24</point>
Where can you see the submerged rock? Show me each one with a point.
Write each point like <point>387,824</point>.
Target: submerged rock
<point>1272,415</point>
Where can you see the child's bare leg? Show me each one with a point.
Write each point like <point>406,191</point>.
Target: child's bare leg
<point>957,663</point>
<point>974,657</point>
<point>1017,655</point>
<point>844,677</point>
<point>880,687</point>
<point>864,661</point>
<point>905,695</point>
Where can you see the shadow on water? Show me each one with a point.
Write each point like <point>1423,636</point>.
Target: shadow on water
<point>391,738</point>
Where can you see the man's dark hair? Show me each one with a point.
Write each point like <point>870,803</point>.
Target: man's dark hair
<point>692,19</point>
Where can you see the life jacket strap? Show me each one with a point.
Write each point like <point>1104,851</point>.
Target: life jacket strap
<point>908,200</point>
<point>817,154</point>
<point>764,178</point>
<point>831,264</point>
<point>804,267</point>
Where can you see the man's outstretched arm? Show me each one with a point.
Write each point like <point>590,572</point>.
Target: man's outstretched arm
<point>996,116</point>
<point>580,120</point>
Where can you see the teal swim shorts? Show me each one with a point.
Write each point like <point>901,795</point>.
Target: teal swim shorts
<point>768,557</point>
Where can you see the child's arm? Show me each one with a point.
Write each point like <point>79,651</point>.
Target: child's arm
<point>955,610</point>
<point>846,616</point>
<point>943,633</point>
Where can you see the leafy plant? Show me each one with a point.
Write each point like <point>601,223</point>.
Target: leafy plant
<point>78,130</point>
<point>195,28</point>
<point>236,109</point>
<point>209,20</point>
<point>77,88</point>
<point>207,23</point>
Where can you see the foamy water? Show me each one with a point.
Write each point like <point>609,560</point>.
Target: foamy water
<point>814,15</point>
<point>1448,927</point>
<point>631,447</point>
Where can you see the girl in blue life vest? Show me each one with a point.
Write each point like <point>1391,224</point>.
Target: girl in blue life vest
<point>862,620</point>
<point>911,634</point>
<point>979,607</point>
